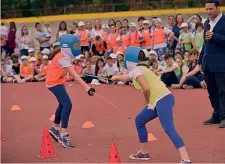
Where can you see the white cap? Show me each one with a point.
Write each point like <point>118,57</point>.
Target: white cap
<point>30,50</point>
<point>158,20</point>
<point>132,24</point>
<point>118,39</point>
<point>81,24</point>
<point>81,56</point>
<point>46,51</point>
<point>33,59</point>
<point>119,53</point>
<point>105,26</point>
<point>24,57</point>
<point>184,25</point>
<point>45,57</point>
<point>152,52</point>
<point>146,22</point>
<point>113,56</point>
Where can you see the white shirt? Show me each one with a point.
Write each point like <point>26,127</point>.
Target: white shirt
<point>111,70</point>
<point>214,21</point>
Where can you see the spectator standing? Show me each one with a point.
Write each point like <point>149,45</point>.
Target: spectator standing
<point>198,36</point>
<point>83,35</point>
<point>11,38</point>
<point>25,41</point>
<point>212,60</point>
<point>73,28</point>
<point>42,39</point>
<point>185,38</point>
<point>62,30</point>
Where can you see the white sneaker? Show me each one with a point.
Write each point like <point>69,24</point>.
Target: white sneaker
<point>185,86</point>
<point>175,86</point>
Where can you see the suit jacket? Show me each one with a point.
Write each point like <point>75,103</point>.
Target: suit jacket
<point>213,51</point>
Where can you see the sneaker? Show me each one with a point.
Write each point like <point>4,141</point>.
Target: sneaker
<point>187,86</point>
<point>203,84</point>
<point>65,141</point>
<point>185,162</point>
<point>140,156</point>
<point>175,86</point>
<point>54,133</point>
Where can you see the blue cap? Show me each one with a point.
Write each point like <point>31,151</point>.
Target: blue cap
<point>72,42</point>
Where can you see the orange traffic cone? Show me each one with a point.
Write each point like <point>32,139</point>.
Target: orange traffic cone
<point>15,107</point>
<point>52,118</point>
<point>151,137</point>
<point>88,125</point>
<point>47,150</point>
<point>114,155</point>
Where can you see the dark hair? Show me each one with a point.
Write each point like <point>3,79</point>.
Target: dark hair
<point>141,56</point>
<point>141,18</point>
<point>197,25</point>
<point>100,23</point>
<point>96,66</point>
<point>194,51</point>
<point>119,22</point>
<point>216,2</point>
<point>15,60</point>
<point>170,16</point>
<point>125,20</point>
<point>61,24</point>
<point>153,61</point>
<point>97,38</point>
<point>109,58</point>
<point>7,55</point>
<point>113,22</point>
<point>74,23</point>
<point>176,19</point>
<point>167,56</point>
<point>199,17</point>
<point>12,25</point>
<point>36,24</point>
<point>55,51</point>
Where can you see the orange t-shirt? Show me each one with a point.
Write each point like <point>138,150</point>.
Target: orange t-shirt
<point>55,74</point>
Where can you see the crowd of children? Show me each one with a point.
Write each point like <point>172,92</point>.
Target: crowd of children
<point>173,49</point>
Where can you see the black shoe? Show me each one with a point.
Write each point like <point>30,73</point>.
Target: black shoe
<point>222,124</point>
<point>211,121</point>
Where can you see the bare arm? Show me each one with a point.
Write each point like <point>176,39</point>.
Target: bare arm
<point>193,43</point>
<point>72,72</point>
<point>171,34</point>
<point>124,77</point>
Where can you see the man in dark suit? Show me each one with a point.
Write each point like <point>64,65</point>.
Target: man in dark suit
<point>212,61</point>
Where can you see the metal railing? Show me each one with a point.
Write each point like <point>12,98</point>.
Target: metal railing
<point>73,9</point>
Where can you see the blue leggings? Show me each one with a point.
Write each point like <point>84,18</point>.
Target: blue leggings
<point>163,110</point>
<point>63,111</point>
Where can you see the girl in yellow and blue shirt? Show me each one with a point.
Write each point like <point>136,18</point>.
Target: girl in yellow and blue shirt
<point>159,100</point>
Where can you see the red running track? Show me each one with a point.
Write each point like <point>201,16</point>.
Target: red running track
<point>23,129</point>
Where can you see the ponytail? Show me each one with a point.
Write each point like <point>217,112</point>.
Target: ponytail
<point>55,51</point>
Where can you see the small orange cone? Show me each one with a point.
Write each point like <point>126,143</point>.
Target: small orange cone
<point>114,155</point>
<point>88,125</point>
<point>47,150</point>
<point>2,139</point>
<point>52,118</point>
<point>15,107</point>
<point>151,137</point>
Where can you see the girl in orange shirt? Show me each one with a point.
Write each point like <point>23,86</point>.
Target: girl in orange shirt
<point>61,64</point>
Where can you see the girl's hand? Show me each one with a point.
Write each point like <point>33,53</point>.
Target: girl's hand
<point>91,91</point>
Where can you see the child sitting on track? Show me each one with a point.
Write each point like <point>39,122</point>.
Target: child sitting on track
<point>55,80</point>
<point>43,69</point>
<point>159,100</point>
